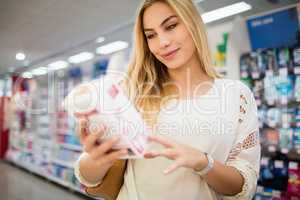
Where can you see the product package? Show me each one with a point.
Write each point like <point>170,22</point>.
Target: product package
<point>285,88</point>
<point>296,60</point>
<point>293,188</point>
<point>297,90</point>
<point>245,61</point>
<point>270,91</point>
<point>286,138</point>
<point>273,117</point>
<point>297,138</point>
<point>104,103</point>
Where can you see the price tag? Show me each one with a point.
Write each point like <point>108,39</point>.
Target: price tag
<point>283,71</point>
<point>270,102</point>
<point>244,74</point>
<point>284,100</point>
<point>278,164</point>
<point>258,102</point>
<point>293,165</point>
<point>272,124</point>
<point>297,70</point>
<point>269,73</point>
<point>260,189</point>
<point>286,125</point>
<point>264,161</point>
<point>276,194</point>
<point>284,151</point>
<point>255,75</point>
<point>271,149</point>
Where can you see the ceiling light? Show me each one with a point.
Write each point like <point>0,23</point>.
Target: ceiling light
<point>39,71</point>
<point>27,75</point>
<point>81,57</point>
<point>225,12</point>
<point>58,65</point>
<point>112,47</point>
<point>20,56</point>
<point>100,39</point>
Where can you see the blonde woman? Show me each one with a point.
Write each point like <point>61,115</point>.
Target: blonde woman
<point>205,142</point>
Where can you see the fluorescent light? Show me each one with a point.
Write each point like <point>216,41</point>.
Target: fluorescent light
<point>100,39</point>
<point>198,1</point>
<point>20,56</point>
<point>39,71</point>
<point>226,11</point>
<point>27,75</point>
<point>58,65</point>
<point>81,57</point>
<point>112,47</point>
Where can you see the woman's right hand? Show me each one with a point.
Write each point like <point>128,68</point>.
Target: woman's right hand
<point>100,152</point>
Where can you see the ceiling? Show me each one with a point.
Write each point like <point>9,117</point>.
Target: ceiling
<point>50,28</point>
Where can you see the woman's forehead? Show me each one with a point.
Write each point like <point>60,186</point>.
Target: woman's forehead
<point>156,14</point>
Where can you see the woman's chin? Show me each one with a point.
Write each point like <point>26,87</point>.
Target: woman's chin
<point>173,66</point>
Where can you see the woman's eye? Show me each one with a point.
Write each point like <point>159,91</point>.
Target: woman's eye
<point>150,36</point>
<point>171,26</point>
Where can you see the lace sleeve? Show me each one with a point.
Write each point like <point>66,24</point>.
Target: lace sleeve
<point>245,153</point>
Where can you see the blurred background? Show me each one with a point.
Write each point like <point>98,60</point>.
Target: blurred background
<point>48,47</point>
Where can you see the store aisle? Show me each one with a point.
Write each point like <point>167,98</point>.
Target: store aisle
<point>16,184</point>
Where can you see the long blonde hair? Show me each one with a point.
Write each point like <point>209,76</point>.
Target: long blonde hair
<point>146,74</point>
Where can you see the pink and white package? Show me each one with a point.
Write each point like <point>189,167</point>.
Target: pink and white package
<point>103,102</point>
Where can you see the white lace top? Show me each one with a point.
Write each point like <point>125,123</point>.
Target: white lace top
<point>223,123</point>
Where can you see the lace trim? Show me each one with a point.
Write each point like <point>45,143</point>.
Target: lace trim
<point>251,141</point>
<point>247,191</point>
<point>243,104</point>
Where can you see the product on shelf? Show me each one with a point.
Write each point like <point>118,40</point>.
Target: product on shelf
<point>293,188</point>
<point>277,94</point>
<point>286,138</point>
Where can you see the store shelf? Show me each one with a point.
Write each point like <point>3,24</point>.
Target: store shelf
<point>71,146</point>
<point>63,163</point>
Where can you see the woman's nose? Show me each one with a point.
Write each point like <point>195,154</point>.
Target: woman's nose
<point>164,41</point>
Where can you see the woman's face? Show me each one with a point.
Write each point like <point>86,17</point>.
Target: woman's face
<point>167,36</point>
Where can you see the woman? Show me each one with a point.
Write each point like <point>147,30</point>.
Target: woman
<point>205,142</point>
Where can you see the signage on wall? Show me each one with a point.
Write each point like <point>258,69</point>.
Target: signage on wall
<point>279,29</point>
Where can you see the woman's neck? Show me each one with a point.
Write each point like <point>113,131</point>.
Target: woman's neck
<point>189,77</point>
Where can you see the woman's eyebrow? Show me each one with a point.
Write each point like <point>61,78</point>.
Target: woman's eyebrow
<point>163,22</point>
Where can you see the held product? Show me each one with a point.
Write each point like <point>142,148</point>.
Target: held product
<point>103,103</point>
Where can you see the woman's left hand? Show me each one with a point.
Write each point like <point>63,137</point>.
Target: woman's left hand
<point>183,155</point>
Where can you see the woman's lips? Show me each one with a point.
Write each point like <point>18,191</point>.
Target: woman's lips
<point>170,55</point>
